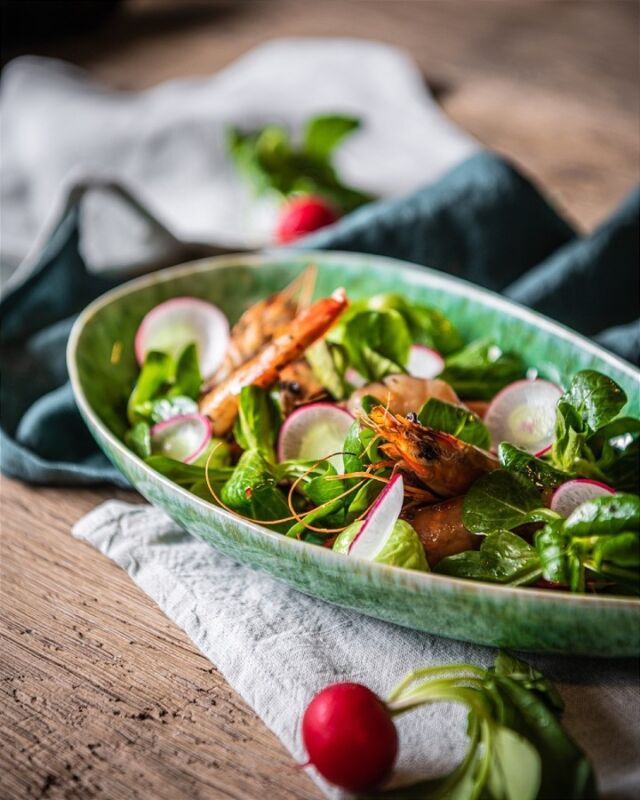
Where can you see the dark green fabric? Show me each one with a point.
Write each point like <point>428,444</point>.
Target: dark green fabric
<point>483,221</point>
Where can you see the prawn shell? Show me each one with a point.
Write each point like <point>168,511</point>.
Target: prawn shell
<point>443,463</point>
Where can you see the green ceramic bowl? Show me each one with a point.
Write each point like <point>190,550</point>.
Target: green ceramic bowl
<point>525,619</point>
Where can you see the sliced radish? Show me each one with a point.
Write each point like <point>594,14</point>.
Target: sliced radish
<point>524,414</point>
<point>182,438</point>
<point>172,325</point>
<point>313,432</point>
<point>572,494</point>
<point>424,362</point>
<point>380,521</point>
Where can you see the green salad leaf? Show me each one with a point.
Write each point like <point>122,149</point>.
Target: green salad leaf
<point>457,420</point>
<point>539,472</point>
<point>323,134</point>
<point>427,325</point>
<point>481,369</point>
<point>273,163</point>
<point>258,422</point>
<point>376,343</point>
<point>501,501</point>
<point>164,388</point>
<point>590,440</point>
<point>252,490</point>
<point>517,747</point>
<point>328,364</point>
<point>403,548</point>
<point>359,449</point>
<point>155,378</point>
<point>167,407</point>
<point>138,439</point>
<point>595,397</point>
<point>606,514</point>
<point>618,462</point>
<point>600,541</point>
<point>188,381</point>
<point>503,557</point>
<point>191,476</point>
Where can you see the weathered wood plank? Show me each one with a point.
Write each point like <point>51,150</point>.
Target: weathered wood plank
<point>102,696</point>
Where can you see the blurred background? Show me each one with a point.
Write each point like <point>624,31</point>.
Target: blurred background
<point>552,84</point>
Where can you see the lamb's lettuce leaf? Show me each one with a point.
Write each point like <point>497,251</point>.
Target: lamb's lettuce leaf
<point>376,343</point>
<point>600,540</point>
<point>253,491</point>
<point>503,557</point>
<point>541,473</point>
<point>459,421</point>
<point>427,325</point>
<point>155,379</point>
<point>502,501</point>
<point>258,421</point>
<point>138,439</point>
<point>328,363</point>
<point>188,380</point>
<point>481,369</point>
<point>591,441</point>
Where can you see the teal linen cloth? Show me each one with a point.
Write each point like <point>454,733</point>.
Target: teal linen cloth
<point>483,221</point>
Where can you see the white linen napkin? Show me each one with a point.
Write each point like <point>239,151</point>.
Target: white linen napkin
<point>277,647</point>
<point>166,144</point>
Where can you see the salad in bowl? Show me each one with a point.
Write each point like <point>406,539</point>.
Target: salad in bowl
<point>371,427</point>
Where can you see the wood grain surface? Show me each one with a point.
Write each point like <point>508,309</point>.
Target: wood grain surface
<point>102,696</point>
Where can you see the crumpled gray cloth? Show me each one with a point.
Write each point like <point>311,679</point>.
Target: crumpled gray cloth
<point>277,647</point>
<point>166,145</point>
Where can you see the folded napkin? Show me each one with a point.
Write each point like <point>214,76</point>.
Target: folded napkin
<point>167,144</point>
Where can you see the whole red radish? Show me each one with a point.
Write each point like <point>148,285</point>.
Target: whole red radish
<point>302,215</point>
<point>350,737</point>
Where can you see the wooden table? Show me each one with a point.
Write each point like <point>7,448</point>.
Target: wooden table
<point>102,696</point>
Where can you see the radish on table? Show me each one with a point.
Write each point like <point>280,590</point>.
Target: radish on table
<point>351,739</point>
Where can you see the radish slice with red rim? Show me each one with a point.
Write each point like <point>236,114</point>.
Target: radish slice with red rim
<point>380,521</point>
<point>172,325</point>
<point>572,494</point>
<point>524,414</point>
<point>313,432</point>
<point>424,362</point>
<point>182,438</point>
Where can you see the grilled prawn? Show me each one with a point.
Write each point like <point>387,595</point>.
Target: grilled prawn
<point>221,403</point>
<point>262,321</point>
<point>403,393</point>
<point>444,464</point>
<point>442,531</point>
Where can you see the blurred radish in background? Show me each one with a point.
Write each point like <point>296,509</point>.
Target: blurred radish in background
<point>300,175</point>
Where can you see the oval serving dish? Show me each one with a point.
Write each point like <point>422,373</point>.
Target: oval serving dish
<point>521,618</point>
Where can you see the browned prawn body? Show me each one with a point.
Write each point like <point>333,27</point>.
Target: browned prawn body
<point>262,321</point>
<point>298,386</point>
<point>221,403</point>
<point>444,464</point>
<point>441,530</point>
